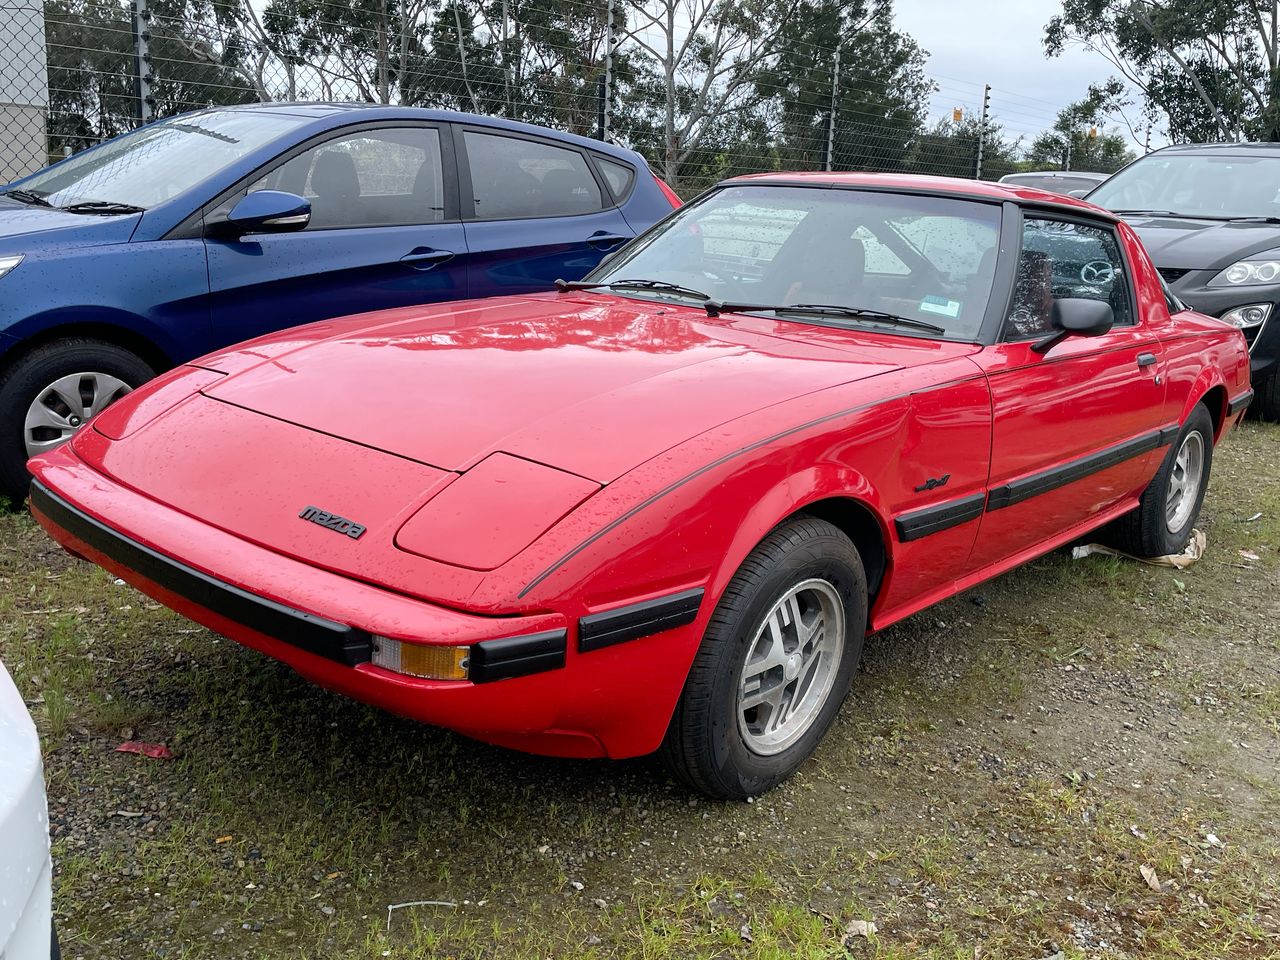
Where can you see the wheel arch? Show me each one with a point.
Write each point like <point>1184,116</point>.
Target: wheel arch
<point>837,493</point>
<point>119,330</point>
<point>863,526</point>
<point>1215,400</point>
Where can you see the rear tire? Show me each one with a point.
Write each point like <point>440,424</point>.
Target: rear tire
<point>33,376</point>
<point>775,663</point>
<point>1170,506</point>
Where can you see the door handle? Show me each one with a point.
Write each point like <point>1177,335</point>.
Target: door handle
<point>1146,359</point>
<point>424,258</point>
<point>606,241</point>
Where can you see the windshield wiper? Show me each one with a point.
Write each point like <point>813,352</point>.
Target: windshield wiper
<point>1154,213</point>
<point>105,207</point>
<point>1252,219</point>
<point>660,285</point>
<point>716,307</point>
<point>26,196</point>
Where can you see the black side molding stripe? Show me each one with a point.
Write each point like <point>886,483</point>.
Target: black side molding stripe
<point>1010,493</point>
<point>921,523</point>
<point>638,620</point>
<point>1240,402</point>
<point>326,638</point>
<point>517,656</point>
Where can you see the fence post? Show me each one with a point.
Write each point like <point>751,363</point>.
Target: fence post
<point>982,128</point>
<point>142,61</point>
<point>831,115</point>
<point>605,119</point>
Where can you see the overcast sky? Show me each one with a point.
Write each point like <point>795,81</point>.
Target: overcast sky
<point>999,42</point>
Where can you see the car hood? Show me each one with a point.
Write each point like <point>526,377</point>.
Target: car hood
<point>23,226</point>
<point>589,384</point>
<point>1186,244</point>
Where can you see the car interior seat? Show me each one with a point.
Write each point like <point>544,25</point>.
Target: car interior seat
<point>336,189</point>
<point>836,276</point>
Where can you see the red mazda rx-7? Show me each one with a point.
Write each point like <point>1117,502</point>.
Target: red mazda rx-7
<point>660,508</point>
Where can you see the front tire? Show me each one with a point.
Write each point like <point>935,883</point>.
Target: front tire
<point>1170,506</point>
<point>1266,403</point>
<point>775,663</point>
<point>51,392</point>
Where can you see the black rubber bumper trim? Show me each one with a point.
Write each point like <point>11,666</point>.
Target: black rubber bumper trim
<point>517,656</point>
<point>921,523</point>
<point>1239,403</point>
<point>326,638</point>
<point>638,620</point>
<point>1017,491</point>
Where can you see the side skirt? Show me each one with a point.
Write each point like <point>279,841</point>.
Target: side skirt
<point>880,619</point>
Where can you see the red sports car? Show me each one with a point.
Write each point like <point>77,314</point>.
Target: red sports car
<point>662,507</point>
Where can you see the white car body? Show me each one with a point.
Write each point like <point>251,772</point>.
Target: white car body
<point>26,919</point>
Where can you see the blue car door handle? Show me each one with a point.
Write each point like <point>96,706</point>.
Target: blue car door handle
<point>604,241</point>
<point>424,258</point>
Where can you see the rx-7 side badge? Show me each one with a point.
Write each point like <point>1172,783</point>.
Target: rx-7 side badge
<point>332,521</point>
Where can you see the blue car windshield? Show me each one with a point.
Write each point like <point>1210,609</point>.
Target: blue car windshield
<point>159,161</point>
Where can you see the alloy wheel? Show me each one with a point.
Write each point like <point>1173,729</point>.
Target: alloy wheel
<point>1184,482</point>
<point>790,667</point>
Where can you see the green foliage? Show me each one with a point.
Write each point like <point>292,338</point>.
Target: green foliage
<point>1077,140</point>
<point>1207,68</point>
<point>950,149</point>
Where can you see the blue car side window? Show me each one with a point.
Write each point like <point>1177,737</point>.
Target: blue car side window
<point>373,178</point>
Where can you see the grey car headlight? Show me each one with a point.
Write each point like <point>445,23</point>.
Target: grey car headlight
<point>1248,316</point>
<point>8,263</point>
<point>1245,273</point>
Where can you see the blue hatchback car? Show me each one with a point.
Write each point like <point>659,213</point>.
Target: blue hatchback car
<point>208,228</point>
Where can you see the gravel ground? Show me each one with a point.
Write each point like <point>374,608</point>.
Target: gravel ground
<point>1079,758</point>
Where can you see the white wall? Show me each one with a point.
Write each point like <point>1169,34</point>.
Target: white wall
<point>24,88</point>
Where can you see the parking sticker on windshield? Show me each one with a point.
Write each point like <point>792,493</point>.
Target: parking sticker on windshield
<point>948,308</point>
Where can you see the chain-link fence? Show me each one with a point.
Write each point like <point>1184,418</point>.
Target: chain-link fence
<point>703,88</point>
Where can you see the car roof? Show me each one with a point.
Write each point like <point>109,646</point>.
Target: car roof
<point>983,190</point>
<point>1270,148</point>
<point>326,114</point>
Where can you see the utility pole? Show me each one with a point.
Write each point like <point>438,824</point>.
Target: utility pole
<point>142,75</point>
<point>982,128</point>
<point>506,59</point>
<point>831,116</point>
<point>1066,163</point>
<point>604,92</point>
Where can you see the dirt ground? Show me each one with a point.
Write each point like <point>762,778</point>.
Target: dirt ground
<point>1077,759</point>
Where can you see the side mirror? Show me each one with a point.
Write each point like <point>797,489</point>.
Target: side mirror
<point>268,211</point>
<point>1078,317</point>
<point>1078,194</point>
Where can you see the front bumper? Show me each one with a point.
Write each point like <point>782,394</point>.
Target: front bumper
<point>1263,340</point>
<point>555,697</point>
<point>25,885</point>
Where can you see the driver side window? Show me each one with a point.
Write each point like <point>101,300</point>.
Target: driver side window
<point>1060,259</point>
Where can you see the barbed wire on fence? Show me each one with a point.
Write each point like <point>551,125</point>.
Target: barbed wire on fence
<point>593,67</point>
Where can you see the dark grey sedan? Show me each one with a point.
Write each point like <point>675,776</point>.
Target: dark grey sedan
<point>1209,215</point>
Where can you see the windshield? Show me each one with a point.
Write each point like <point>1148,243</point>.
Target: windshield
<point>1210,186</point>
<point>158,161</point>
<point>1052,184</point>
<point>926,259</point>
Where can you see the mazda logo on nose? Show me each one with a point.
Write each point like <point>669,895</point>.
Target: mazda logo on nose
<point>332,521</point>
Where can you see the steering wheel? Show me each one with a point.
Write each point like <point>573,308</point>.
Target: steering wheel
<point>1098,272</point>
